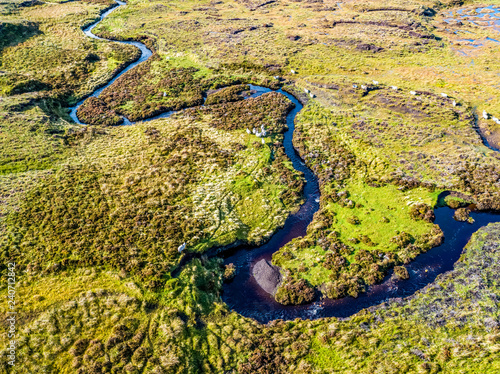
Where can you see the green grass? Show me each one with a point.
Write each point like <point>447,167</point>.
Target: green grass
<point>186,328</point>
<point>57,53</point>
<point>185,178</point>
<point>378,203</point>
<point>95,215</point>
<point>34,138</point>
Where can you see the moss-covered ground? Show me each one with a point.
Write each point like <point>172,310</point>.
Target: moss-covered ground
<point>382,157</point>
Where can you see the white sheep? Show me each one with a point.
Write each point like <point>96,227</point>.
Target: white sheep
<point>306,90</point>
<point>363,87</point>
<point>248,131</point>
<point>375,82</point>
<point>182,247</point>
<point>485,114</point>
<point>263,141</point>
<point>454,103</point>
<point>444,95</point>
<point>254,131</point>
<point>413,92</point>
<point>312,95</point>
<point>292,71</point>
<point>394,88</point>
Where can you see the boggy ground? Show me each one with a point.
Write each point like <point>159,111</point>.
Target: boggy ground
<point>94,215</point>
<point>382,156</point>
<point>95,321</point>
<point>47,63</point>
<point>132,195</point>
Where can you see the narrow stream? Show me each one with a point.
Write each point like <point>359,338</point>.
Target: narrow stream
<point>145,54</point>
<point>246,297</point>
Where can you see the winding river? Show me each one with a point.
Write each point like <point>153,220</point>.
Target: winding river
<point>246,297</point>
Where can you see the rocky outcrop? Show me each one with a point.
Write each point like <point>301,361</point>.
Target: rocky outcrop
<point>267,276</point>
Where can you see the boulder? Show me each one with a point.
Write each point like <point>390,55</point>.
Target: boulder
<point>267,276</point>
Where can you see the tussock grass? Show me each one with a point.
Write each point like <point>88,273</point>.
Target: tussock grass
<point>132,195</point>
<point>107,225</point>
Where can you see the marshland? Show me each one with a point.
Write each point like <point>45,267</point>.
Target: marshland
<point>352,146</point>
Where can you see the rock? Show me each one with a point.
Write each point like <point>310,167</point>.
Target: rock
<point>368,47</point>
<point>267,276</point>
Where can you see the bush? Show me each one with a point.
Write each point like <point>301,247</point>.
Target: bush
<point>95,111</point>
<point>353,220</point>
<point>229,271</point>
<point>402,240</point>
<point>401,272</point>
<point>462,215</point>
<point>422,211</point>
<point>295,292</point>
<point>227,95</point>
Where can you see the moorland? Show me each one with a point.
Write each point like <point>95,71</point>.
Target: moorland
<point>399,119</point>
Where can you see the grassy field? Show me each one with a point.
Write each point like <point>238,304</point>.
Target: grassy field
<point>128,197</point>
<point>380,154</point>
<point>93,215</point>
<point>104,321</point>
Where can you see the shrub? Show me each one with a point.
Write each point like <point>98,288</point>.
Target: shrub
<point>402,240</point>
<point>353,220</point>
<point>79,347</point>
<point>295,292</point>
<point>229,271</point>
<point>227,95</point>
<point>401,272</point>
<point>94,111</point>
<point>422,211</point>
<point>462,215</point>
